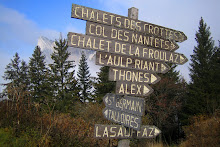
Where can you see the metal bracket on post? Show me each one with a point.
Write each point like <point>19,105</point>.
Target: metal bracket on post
<point>132,13</point>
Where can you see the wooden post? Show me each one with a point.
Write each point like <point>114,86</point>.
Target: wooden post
<point>124,143</point>
<point>132,13</point>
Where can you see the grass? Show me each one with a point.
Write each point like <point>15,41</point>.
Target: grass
<point>8,139</point>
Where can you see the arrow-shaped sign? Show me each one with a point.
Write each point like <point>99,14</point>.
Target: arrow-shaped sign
<point>98,16</point>
<point>129,75</point>
<point>106,99</point>
<point>126,104</point>
<point>128,36</point>
<point>139,51</point>
<point>173,46</point>
<point>134,89</point>
<point>120,61</point>
<point>154,78</point>
<point>182,59</point>
<point>120,132</point>
<point>105,113</point>
<point>123,118</point>
<point>156,131</point>
<point>164,68</point>
<point>146,90</point>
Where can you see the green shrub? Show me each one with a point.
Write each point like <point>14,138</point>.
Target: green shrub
<point>7,138</point>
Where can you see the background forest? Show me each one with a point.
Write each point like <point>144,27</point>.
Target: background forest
<point>51,105</point>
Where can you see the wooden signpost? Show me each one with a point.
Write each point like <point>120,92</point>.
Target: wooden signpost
<point>119,47</point>
<point>123,118</point>
<point>135,51</point>
<point>121,61</point>
<point>111,32</point>
<point>134,89</point>
<point>132,105</point>
<point>134,76</point>
<point>102,17</point>
<point>124,110</point>
<point>120,132</point>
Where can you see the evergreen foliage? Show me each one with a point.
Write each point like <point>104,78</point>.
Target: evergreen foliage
<point>72,90</point>
<point>62,73</point>
<point>203,97</point>
<point>17,72</point>
<point>57,87</point>
<point>164,104</point>
<point>103,85</point>
<point>215,80</point>
<point>84,79</point>
<point>38,75</point>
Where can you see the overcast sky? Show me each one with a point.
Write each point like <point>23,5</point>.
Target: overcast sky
<point>22,22</point>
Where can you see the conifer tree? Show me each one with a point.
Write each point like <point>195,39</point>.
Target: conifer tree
<point>201,96</point>
<point>24,74</point>
<point>215,83</point>
<point>16,72</point>
<point>164,104</point>
<point>103,85</point>
<point>72,90</point>
<point>62,70</point>
<point>84,79</point>
<point>38,75</point>
<point>17,75</point>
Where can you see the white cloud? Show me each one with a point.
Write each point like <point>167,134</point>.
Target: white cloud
<point>15,26</point>
<point>18,34</point>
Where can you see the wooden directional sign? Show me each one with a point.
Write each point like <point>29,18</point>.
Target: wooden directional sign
<point>128,36</point>
<point>115,60</point>
<point>123,118</point>
<point>120,47</point>
<point>127,104</point>
<point>103,17</point>
<point>134,76</point>
<point>134,89</point>
<point>120,132</point>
